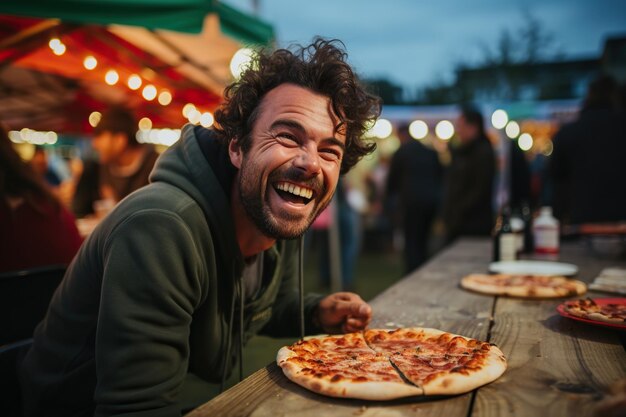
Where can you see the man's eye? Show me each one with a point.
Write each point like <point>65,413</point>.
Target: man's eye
<point>287,136</point>
<point>331,153</point>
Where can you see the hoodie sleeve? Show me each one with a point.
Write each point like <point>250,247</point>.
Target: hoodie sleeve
<point>150,288</point>
<point>285,319</point>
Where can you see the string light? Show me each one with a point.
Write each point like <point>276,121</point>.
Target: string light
<point>207,119</point>
<point>525,141</point>
<point>145,124</point>
<point>512,129</point>
<point>444,130</point>
<point>418,129</point>
<point>149,92</point>
<point>34,137</point>
<point>194,116</point>
<point>499,119</point>
<point>165,98</point>
<point>134,82</point>
<point>187,109</point>
<point>90,62</point>
<point>58,48</point>
<point>111,77</point>
<point>94,118</point>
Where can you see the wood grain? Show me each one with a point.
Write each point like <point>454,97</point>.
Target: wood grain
<point>557,366</point>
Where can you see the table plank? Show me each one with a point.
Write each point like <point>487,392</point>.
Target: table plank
<point>557,366</point>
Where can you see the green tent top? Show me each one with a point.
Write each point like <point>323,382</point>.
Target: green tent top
<point>176,15</point>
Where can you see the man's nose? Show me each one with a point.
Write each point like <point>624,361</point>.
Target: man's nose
<point>308,160</point>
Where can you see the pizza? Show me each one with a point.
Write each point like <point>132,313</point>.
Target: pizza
<point>380,364</point>
<point>527,286</point>
<point>589,309</point>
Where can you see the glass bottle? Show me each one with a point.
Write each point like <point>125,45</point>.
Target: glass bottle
<point>504,239</point>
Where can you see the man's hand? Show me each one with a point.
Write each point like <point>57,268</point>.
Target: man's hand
<point>342,312</point>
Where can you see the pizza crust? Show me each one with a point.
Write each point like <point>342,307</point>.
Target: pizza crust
<point>495,285</point>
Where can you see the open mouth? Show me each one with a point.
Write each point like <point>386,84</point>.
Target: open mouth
<point>293,193</point>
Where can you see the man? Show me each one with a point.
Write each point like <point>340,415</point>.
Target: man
<point>468,198</point>
<point>414,187</point>
<point>184,271</point>
<point>123,165</point>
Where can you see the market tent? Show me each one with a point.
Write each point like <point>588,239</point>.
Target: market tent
<point>174,15</point>
<point>41,88</point>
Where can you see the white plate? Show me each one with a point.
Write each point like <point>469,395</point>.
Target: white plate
<point>533,268</point>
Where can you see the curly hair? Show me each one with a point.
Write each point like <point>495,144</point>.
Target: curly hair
<point>320,67</point>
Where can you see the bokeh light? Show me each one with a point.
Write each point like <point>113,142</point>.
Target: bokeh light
<point>525,141</point>
<point>240,61</point>
<point>499,119</point>
<point>149,92</point>
<point>444,130</point>
<point>90,62</point>
<point>134,82</point>
<point>111,77</point>
<point>418,129</point>
<point>512,129</point>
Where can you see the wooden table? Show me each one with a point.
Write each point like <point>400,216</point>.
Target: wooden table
<point>557,366</point>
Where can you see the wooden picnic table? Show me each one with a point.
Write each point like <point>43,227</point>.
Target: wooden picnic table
<point>556,366</point>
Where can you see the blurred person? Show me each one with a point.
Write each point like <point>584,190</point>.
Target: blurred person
<point>346,216</point>
<point>36,229</point>
<point>520,179</point>
<point>153,313</point>
<point>123,164</point>
<point>39,162</point>
<point>414,186</point>
<point>587,166</point>
<point>468,195</point>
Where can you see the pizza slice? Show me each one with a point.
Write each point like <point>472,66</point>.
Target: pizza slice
<point>440,363</point>
<point>525,286</point>
<point>343,366</point>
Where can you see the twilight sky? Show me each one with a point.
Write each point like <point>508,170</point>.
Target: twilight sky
<point>417,42</point>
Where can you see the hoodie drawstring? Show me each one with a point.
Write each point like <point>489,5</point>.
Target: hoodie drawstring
<point>301,284</point>
<point>229,338</point>
<point>242,296</point>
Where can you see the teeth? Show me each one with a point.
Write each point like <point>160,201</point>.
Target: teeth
<point>294,189</point>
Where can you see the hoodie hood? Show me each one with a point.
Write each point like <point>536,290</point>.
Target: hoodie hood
<point>185,166</point>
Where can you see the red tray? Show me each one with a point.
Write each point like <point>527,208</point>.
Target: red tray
<point>599,301</point>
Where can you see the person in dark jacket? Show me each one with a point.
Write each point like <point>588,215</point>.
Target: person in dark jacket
<point>468,197</point>
<point>587,166</point>
<point>414,185</point>
<point>167,289</point>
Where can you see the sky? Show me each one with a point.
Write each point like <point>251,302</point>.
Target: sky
<point>415,43</point>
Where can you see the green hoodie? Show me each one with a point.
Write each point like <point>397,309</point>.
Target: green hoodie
<point>154,294</point>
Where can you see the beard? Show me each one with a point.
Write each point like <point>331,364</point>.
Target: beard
<point>284,225</point>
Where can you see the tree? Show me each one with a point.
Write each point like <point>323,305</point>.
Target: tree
<point>388,91</point>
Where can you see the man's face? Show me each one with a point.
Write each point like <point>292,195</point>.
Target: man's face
<point>289,174</point>
<point>108,145</point>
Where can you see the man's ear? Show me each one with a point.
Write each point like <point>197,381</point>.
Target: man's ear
<point>235,153</point>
